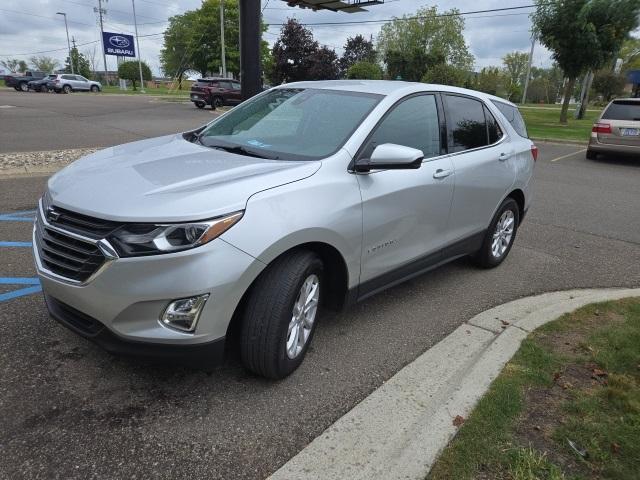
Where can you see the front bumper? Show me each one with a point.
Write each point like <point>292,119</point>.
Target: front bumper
<point>128,295</point>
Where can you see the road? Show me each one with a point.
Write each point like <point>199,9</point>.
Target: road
<point>70,410</point>
<point>48,121</point>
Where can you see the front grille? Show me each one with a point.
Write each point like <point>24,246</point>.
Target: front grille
<point>66,256</point>
<point>76,222</point>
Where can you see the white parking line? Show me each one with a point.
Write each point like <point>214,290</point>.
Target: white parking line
<point>568,155</point>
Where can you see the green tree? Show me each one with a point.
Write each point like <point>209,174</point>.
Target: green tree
<point>608,84</point>
<point>446,75</point>
<point>357,49</point>
<point>364,71</point>
<point>630,54</point>
<point>80,64</point>
<point>179,42</point>
<point>411,45</point>
<point>14,65</point>
<point>129,70</point>
<point>583,34</point>
<point>491,80</point>
<point>44,64</point>
<point>515,66</point>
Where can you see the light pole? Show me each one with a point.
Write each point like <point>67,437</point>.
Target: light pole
<point>224,57</point>
<point>135,23</point>
<point>68,44</point>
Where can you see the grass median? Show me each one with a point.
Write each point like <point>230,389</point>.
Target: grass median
<point>543,123</point>
<point>160,91</point>
<point>567,406</point>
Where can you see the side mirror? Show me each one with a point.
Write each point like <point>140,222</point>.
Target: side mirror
<point>390,156</point>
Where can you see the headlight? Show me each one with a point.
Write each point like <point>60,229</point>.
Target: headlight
<point>152,239</point>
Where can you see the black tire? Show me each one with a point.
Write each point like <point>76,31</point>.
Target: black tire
<point>200,104</point>
<point>44,89</point>
<point>217,102</point>
<point>24,87</point>
<point>66,89</point>
<point>268,312</point>
<point>95,89</point>
<point>16,88</point>
<point>485,257</point>
<point>591,155</point>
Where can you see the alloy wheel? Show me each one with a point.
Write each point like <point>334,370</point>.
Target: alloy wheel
<point>503,234</point>
<point>304,315</point>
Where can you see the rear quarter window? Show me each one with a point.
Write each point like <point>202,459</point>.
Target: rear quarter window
<point>622,110</point>
<point>512,114</point>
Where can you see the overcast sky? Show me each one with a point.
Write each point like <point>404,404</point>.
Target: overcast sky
<point>30,26</point>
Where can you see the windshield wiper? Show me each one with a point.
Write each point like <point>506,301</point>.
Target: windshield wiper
<point>240,150</point>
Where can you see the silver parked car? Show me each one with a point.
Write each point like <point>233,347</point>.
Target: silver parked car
<point>309,195</point>
<point>617,131</point>
<point>66,83</point>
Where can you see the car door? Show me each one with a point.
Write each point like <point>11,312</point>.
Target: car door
<point>236,93</point>
<point>482,159</point>
<point>83,83</point>
<point>405,212</point>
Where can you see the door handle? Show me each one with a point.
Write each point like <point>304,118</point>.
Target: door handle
<point>504,157</point>
<point>440,173</point>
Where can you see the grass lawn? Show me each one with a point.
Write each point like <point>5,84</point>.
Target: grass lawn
<point>576,379</point>
<point>543,123</point>
<point>148,91</point>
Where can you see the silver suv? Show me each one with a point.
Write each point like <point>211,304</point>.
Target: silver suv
<point>66,83</point>
<point>308,196</point>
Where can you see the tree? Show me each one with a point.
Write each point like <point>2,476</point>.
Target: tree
<point>297,56</point>
<point>410,45</point>
<point>515,69</point>
<point>446,75</point>
<point>357,49</point>
<point>608,84</point>
<point>80,63</point>
<point>44,64</point>
<point>129,70</point>
<point>14,65</point>
<point>583,34</point>
<point>92,55</point>
<point>364,71</point>
<point>630,54</point>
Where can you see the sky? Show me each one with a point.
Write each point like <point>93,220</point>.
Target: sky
<point>31,26</point>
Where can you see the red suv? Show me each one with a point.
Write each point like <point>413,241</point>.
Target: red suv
<point>215,92</point>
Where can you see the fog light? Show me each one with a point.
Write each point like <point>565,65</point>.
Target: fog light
<point>183,314</point>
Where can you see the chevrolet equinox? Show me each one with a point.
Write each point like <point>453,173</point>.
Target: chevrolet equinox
<point>309,195</point>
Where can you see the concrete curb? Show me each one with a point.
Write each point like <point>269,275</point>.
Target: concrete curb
<point>399,430</point>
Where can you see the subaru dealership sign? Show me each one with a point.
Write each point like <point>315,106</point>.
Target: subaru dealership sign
<point>118,44</point>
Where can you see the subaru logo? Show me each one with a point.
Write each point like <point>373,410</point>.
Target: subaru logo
<point>119,41</point>
<point>52,215</point>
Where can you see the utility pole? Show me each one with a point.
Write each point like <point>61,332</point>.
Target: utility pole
<point>68,44</point>
<point>71,60</point>
<point>250,48</point>
<point>526,80</point>
<point>100,11</point>
<point>224,59</point>
<point>135,22</point>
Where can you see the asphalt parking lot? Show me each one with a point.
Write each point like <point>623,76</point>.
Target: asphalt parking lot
<point>70,410</point>
<point>48,121</point>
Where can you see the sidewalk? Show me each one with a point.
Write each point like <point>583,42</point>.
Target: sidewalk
<point>400,429</point>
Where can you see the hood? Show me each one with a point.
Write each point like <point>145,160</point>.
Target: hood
<point>168,179</point>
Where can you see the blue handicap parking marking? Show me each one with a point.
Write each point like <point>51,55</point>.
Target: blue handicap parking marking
<point>33,288</point>
<point>19,216</point>
<point>15,244</point>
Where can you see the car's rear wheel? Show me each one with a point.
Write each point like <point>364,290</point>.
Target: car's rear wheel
<point>66,89</point>
<point>591,155</point>
<point>200,104</point>
<point>280,315</point>
<point>95,89</point>
<point>500,235</point>
<point>44,89</point>
<point>24,87</point>
<point>217,102</point>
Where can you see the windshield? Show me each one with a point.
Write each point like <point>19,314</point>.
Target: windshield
<point>292,123</point>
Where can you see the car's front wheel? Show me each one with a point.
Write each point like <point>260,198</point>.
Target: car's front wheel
<point>280,315</point>
<point>217,102</point>
<point>500,235</point>
<point>24,87</point>
<point>95,88</point>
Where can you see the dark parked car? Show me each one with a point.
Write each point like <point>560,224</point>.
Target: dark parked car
<point>21,82</point>
<point>215,92</point>
<point>41,85</point>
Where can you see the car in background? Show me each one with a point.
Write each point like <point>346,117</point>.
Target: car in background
<point>42,84</point>
<point>215,92</point>
<point>21,82</point>
<point>617,130</point>
<point>66,83</point>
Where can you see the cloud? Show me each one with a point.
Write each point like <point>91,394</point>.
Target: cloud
<point>32,26</point>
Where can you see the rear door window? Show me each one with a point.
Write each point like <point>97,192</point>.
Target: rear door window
<point>622,110</point>
<point>466,124</point>
<point>512,114</point>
